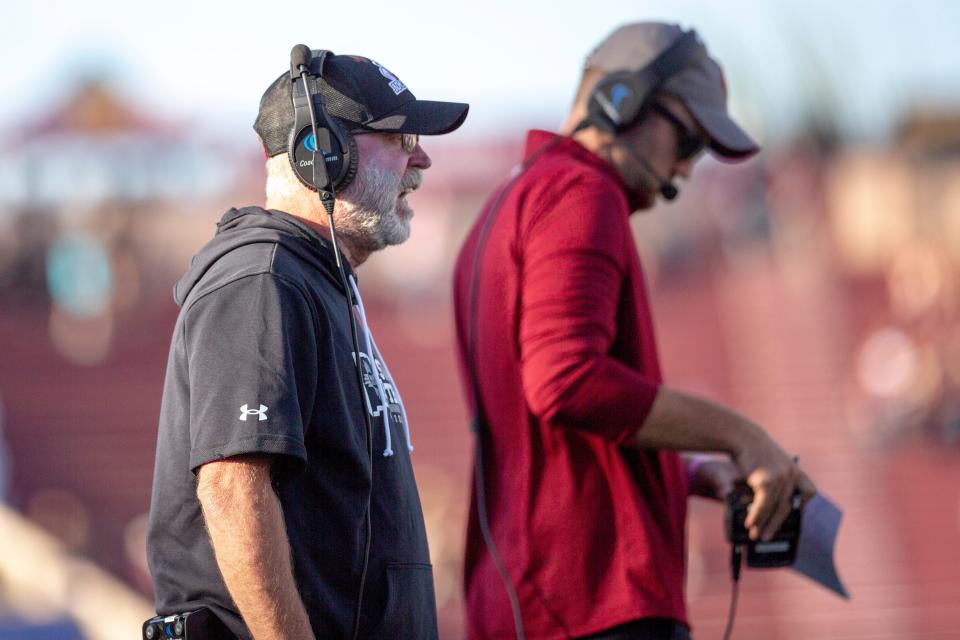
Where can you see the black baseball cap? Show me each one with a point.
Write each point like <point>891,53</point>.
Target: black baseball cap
<point>364,96</point>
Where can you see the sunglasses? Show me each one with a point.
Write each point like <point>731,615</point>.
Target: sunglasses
<point>689,143</point>
<point>409,142</point>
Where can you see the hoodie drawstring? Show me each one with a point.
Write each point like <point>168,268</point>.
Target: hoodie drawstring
<point>371,351</point>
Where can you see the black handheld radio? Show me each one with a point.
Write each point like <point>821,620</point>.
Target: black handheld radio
<point>201,624</point>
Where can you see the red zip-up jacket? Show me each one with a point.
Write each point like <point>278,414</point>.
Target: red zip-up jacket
<point>590,528</point>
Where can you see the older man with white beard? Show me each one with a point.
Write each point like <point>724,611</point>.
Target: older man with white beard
<point>284,501</point>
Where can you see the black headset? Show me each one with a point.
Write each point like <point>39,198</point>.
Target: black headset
<point>620,98</point>
<point>314,130</point>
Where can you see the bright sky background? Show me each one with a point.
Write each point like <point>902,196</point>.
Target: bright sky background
<point>206,63</point>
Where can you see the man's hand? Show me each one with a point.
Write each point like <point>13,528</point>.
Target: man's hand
<point>245,522</point>
<point>773,476</point>
<point>714,478</point>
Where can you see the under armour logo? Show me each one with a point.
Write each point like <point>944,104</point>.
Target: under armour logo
<point>262,412</point>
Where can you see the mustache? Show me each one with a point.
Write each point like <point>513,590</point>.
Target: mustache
<point>411,180</point>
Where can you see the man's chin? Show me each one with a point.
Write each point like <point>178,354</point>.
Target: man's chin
<point>397,238</point>
<point>400,231</point>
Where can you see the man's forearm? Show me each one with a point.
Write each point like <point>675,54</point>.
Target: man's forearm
<point>688,423</point>
<point>245,522</point>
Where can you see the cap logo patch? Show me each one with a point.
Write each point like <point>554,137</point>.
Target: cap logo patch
<point>395,84</point>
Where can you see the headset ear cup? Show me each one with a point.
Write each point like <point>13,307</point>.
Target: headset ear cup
<point>339,145</point>
<point>301,153</point>
<point>596,115</point>
<point>615,102</point>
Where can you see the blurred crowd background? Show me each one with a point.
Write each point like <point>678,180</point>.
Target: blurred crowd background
<point>815,288</point>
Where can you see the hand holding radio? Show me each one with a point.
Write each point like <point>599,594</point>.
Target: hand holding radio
<point>772,476</point>
<point>780,549</point>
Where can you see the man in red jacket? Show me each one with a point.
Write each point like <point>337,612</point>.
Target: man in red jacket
<point>577,525</point>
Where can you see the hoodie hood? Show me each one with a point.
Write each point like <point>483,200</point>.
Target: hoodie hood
<point>251,225</point>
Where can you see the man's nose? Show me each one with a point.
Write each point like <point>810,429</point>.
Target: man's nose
<point>419,159</point>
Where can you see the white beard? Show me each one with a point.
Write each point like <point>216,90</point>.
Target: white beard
<point>370,213</point>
